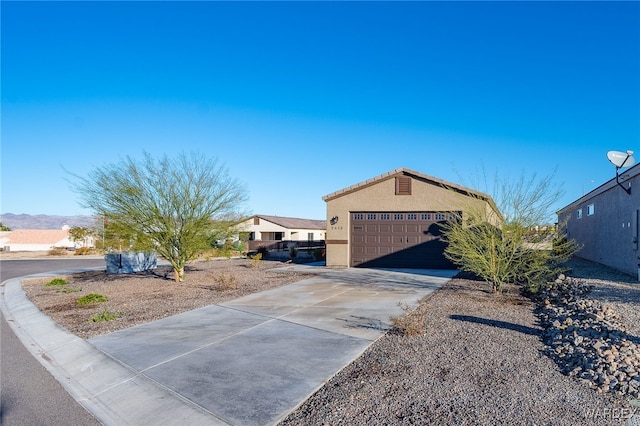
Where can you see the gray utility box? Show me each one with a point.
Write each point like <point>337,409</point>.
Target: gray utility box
<point>131,261</point>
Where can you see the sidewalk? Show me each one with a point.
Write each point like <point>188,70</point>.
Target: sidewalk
<point>248,361</point>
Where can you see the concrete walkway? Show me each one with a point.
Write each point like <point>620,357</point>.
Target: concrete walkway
<point>249,361</point>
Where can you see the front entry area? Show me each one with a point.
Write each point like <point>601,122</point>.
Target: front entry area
<point>399,239</point>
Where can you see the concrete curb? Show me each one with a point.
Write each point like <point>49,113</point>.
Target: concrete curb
<point>112,392</point>
<point>160,373</point>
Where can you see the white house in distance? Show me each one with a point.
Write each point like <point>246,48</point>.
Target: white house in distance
<point>35,239</point>
<point>270,229</point>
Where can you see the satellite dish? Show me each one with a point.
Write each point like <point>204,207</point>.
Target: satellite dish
<point>621,159</point>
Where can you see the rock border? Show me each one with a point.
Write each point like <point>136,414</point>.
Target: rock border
<point>587,339</point>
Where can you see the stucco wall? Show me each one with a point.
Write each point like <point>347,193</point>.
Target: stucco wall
<point>303,234</point>
<point>380,197</point>
<point>288,234</point>
<point>36,247</point>
<point>610,235</point>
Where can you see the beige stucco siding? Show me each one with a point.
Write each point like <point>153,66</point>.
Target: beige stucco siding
<point>265,228</point>
<point>380,197</point>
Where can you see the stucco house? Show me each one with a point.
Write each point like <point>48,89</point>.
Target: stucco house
<point>266,230</point>
<point>35,239</point>
<point>392,220</point>
<point>605,222</point>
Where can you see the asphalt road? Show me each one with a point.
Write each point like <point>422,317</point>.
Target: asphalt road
<point>29,395</point>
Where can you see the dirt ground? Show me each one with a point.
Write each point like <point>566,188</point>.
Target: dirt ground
<point>142,297</point>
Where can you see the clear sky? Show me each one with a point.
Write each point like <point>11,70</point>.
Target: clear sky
<point>300,99</point>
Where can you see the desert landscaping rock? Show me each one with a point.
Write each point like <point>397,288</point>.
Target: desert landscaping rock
<point>483,358</point>
<point>587,338</point>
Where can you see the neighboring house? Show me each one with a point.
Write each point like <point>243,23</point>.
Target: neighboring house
<point>35,239</point>
<point>605,222</point>
<point>392,220</point>
<point>270,229</point>
<point>3,237</point>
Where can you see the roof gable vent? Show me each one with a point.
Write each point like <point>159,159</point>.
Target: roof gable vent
<point>403,185</point>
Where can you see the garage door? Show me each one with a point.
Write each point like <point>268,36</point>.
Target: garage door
<point>399,239</point>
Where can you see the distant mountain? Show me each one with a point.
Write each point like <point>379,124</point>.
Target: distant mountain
<point>43,221</point>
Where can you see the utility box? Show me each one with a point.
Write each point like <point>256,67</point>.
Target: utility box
<point>128,262</point>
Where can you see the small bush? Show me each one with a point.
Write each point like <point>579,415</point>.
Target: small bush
<point>319,254</point>
<point>256,260</point>
<point>226,281</point>
<point>218,252</point>
<point>56,281</point>
<point>409,324</point>
<point>83,251</point>
<point>293,250</point>
<point>91,299</point>
<point>57,251</point>
<point>240,247</point>
<point>105,315</point>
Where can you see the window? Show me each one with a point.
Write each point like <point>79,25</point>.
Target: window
<point>256,221</point>
<point>310,236</point>
<point>579,214</point>
<point>591,209</point>
<point>440,216</point>
<point>398,216</point>
<point>412,216</point>
<point>371,216</point>
<point>384,216</point>
<point>425,216</point>
<point>403,185</point>
<point>358,216</point>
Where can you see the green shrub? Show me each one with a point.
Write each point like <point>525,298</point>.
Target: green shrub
<point>256,260</point>
<point>56,281</point>
<point>105,315</point>
<point>91,299</point>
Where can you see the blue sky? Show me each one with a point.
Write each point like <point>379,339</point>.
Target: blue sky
<point>300,99</point>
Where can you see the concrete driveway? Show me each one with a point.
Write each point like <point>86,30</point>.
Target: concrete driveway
<point>249,361</point>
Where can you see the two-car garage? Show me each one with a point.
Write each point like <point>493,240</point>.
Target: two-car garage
<point>394,220</point>
<point>398,239</point>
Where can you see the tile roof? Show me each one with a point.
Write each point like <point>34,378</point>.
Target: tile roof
<point>294,222</point>
<point>36,236</point>
<point>405,171</point>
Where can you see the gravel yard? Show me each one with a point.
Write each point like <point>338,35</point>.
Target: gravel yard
<point>481,359</point>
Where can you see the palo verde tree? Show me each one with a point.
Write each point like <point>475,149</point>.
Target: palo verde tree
<point>516,244</point>
<point>80,234</point>
<point>174,205</point>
